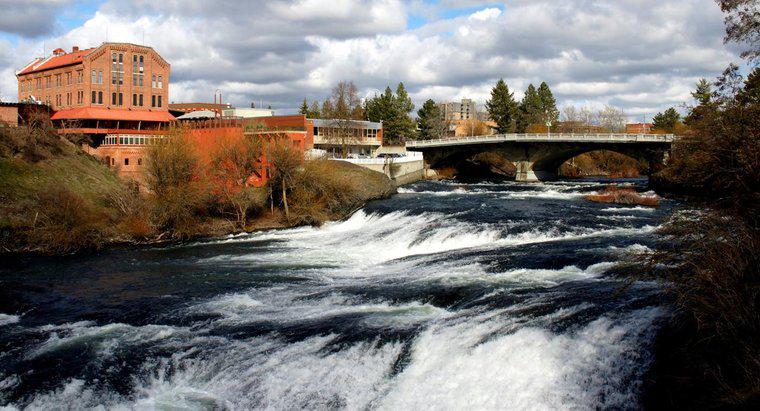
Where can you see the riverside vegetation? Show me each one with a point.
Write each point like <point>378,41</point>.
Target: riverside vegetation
<point>708,354</point>
<point>56,199</point>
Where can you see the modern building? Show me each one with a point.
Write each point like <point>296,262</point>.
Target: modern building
<point>182,108</point>
<point>638,128</point>
<point>355,138</point>
<point>462,110</point>
<point>99,91</point>
<point>247,112</point>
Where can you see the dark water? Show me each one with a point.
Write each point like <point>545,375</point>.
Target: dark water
<point>446,296</point>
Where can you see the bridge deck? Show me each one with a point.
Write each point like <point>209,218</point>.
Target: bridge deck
<point>553,137</point>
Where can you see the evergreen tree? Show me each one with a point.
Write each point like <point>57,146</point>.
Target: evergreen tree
<point>703,94</point>
<point>314,111</point>
<point>529,109</point>
<point>502,107</point>
<point>327,109</point>
<point>404,101</point>
<point>430,121</point>
<point>548,111</point>
<point>392,111</point>
<point>666,121</point>
<point>304,108</point>
<point>750,93</point>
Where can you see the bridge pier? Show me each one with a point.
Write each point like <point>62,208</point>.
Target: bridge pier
<point>526,173</point>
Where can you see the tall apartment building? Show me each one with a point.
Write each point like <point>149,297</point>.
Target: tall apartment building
<point>100,90</point>
<point>455,111</point>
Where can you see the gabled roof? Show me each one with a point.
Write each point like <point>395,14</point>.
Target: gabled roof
<point>97,113</point>
<point>52,62</point>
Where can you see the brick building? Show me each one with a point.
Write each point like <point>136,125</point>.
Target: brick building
<point>109,89</point>
<point>638,128</point>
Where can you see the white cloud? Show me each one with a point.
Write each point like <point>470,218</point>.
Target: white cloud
<point>640,54</point>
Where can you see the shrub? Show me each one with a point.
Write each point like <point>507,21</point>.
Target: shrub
<point>623,195</point>
<point>179,193</point>
<point>64,222</point>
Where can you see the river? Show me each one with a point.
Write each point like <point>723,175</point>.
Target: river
<point>445,296</point>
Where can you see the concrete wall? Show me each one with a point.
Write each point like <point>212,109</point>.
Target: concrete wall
<point>402,170</point>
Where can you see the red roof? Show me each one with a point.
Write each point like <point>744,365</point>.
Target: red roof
<point>97,113</point>
<point>56,61</point>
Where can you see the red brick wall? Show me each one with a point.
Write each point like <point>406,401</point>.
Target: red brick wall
<point>100,60</point>
<point>9,115</point>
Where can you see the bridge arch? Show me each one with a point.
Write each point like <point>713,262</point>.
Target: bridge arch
<point>538,157</point>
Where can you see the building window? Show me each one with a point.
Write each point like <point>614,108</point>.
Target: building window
<point>100,76</point>
<point>94,97</point>
<point>139,161</point>
<point>140,100</point>
<point>160,82</point>
<point>121,100</point>
<point>113,161</point>
<point>113,99</point>
<point>80,76</point>
<point>47,82</point>
<point>117,68</point>
<point>134,99</point>
<point>159,101</point>
<point>153,81</point>
<point>57,80</point>
<point>126,161</point>
<point>94,78</point>
<point>68,78</point>
<point>153,100</point>
<point>100,97</point>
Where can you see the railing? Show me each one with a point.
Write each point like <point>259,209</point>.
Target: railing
<point>130,140</point>
<point>556,137</point>
<point>411,156</point>
<point>347,141</point>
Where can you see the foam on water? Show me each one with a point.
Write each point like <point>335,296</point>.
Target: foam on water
<point>466,366</point>
<point>499,339</point>
<point>6,319</point>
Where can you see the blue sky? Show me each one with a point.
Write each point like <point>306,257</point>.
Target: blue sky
<point>639,55</point>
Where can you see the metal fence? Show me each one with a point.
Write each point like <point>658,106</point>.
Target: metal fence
<point>553,137</point>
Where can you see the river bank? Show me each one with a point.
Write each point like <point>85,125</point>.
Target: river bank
<point>55,199</point>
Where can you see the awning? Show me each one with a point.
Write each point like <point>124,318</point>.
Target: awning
<point>97,113</point>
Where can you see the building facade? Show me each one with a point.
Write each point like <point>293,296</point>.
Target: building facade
<point>462,110</point>
<point>100,90</point>
<point>352,138</point>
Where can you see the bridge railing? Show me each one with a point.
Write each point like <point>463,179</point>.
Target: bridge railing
<point>558,137</point>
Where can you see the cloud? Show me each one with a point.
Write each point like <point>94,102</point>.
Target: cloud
<point>641,55</point>
<point>30,18</point>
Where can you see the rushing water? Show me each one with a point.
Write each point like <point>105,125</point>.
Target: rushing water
<point>445,296</point>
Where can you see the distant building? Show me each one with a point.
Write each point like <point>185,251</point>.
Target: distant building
<point>357,138</point>
<point>638,128</point>
<point>455,111</point>
<point>247,112</point>
<point>190,107</point>
<point>198,115</point>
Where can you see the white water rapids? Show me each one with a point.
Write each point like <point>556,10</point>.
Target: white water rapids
<point>389,309</point>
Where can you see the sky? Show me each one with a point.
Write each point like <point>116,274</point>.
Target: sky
<point>639,55</point>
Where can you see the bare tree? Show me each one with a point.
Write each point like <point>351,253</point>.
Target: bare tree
<point>612,119</point>
<point>233,163</point>
<point>344,119</point>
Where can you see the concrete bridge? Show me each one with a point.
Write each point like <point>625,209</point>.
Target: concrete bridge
<point>537,157</point>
